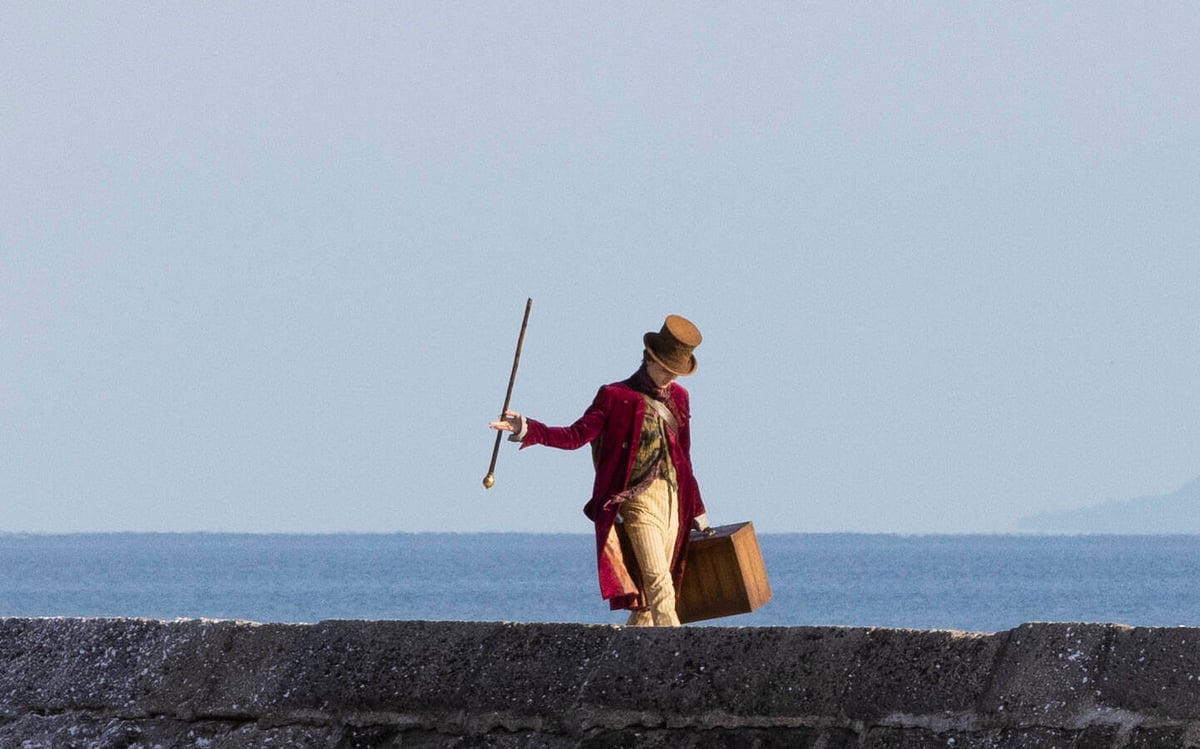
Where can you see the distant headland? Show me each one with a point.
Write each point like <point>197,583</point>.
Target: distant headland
<point>1174,513</point>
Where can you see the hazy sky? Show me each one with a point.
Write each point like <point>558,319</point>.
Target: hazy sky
<point>262,265</point>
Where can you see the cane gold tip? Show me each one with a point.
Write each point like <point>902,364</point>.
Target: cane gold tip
<point>489,481</point>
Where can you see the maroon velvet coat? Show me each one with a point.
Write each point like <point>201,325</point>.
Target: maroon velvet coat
<point>613,425</point>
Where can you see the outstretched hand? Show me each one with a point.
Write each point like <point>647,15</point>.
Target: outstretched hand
<point>512,422</point>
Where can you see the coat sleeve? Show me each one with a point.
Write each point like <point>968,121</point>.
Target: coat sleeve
<point>585,429</point>
<point>683,404</point>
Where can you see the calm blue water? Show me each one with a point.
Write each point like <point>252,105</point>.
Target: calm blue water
<point>976,583</point>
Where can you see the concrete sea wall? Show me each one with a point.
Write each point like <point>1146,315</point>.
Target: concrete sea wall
<point>189,683</point>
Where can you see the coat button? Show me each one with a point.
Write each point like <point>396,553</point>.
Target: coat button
<point>624,445</point>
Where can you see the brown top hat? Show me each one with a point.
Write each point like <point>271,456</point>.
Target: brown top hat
<point>672,346</point>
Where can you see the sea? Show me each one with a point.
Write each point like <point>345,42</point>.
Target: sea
<point>979,583</point>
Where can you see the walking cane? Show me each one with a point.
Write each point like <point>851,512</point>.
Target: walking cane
<point>490,479</point>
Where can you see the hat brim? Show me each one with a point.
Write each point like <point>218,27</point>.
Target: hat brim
<point>692,364</point>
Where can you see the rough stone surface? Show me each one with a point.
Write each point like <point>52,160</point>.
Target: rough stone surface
<point>101,683</point>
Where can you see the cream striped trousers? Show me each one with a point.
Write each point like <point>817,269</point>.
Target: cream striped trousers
<point>652,525</point>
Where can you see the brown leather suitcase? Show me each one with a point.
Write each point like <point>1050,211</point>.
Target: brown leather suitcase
<point>724,574</point>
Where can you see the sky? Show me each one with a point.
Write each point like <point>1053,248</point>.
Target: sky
<point>263,265</point>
